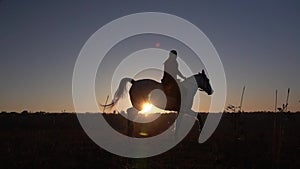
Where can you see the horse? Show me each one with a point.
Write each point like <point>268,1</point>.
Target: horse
<point>140,92</point>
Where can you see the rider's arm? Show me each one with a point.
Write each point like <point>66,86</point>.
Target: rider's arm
<point>180,74</point>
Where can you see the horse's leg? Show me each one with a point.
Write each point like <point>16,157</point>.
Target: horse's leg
<point>185,111</point>
<point>131,114</point>
<point>187,104</point>
<point>200,121</point>
<point>196,116</point>
<point>177,125</point>
<point>190,113</point>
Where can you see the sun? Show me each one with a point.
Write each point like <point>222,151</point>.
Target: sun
<point>147,107</point>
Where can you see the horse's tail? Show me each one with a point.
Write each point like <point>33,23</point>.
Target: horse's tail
<point>120,92</point>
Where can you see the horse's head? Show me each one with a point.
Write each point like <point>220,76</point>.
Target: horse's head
<point>203,82</point>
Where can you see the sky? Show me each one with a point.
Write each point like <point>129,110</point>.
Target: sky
<point>257,41</point>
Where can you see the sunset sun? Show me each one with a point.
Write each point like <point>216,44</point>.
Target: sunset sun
<point>147,107</point>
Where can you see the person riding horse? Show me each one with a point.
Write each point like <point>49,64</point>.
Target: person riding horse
<point>169,80</point>
<point>143,91</point>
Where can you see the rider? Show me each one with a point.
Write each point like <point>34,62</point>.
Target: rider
<point>171,71</point>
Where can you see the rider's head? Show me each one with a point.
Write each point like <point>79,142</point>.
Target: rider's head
<point>173,53</point>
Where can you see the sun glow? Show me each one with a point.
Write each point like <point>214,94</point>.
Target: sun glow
<point>147,107</point>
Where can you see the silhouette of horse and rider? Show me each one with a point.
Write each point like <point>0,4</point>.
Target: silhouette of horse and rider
<point>177,93</point>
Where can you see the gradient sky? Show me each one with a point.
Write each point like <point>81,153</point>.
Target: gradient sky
<point>257,41</point>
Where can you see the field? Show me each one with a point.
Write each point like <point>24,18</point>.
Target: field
<point>242,140</point>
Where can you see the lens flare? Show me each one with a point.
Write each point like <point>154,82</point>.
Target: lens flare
<point>147,107</point>
<point>157,44</point>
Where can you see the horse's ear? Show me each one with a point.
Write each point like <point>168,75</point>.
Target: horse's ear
<point>203,71</point>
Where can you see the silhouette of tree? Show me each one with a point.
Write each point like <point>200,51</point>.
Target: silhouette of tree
<point>24,112</point>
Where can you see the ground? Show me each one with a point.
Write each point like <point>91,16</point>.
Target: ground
<point>247,140</point>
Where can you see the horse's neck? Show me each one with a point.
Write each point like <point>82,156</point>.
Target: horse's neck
<point>190,85</point>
